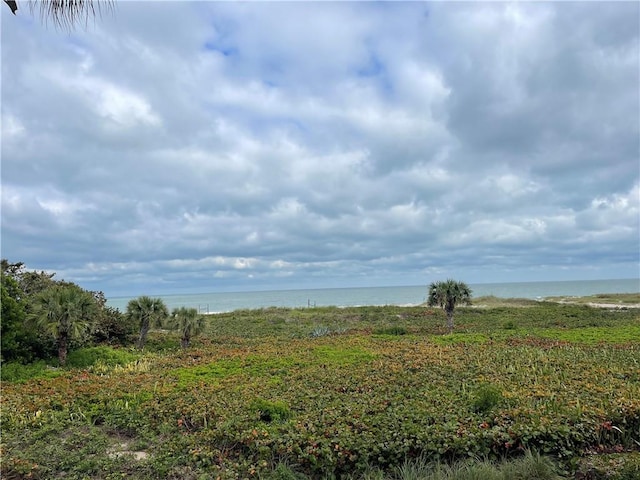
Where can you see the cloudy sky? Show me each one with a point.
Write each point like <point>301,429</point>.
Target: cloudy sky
<point>177,147</point>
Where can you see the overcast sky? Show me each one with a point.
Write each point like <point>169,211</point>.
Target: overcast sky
<point>196,147</point>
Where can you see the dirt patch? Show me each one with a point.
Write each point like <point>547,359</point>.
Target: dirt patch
<point>123,449</point>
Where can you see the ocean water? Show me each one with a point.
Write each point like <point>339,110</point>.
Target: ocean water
<point>409,295</point>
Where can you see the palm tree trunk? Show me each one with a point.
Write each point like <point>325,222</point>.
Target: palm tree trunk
<point>62,349</point>
<point>450,320</point>
<point>184,342</point>
<point>143,335</point>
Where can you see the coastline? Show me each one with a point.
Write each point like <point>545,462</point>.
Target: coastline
<point>378,296</point>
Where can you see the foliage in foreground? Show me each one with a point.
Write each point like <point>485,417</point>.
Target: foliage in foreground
<point>281,403</point>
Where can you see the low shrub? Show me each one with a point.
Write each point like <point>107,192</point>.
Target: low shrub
<point>486,397</point>
<point>162,341</point>
<point>397,330</point>
<point>18,372</point>
<point>86,357</point>
<point>269,411</point>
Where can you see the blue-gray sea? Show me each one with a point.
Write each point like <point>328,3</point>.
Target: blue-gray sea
<point>408,295</point>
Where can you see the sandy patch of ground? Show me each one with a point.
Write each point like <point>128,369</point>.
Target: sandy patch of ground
<point>122,449</point>
<point>617,306</point>
<point>614,305</point>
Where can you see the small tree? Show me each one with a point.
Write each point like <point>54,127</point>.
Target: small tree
<point>66,313</point>
<point>146,312</point>
<point>189,322</point>
<point>448,295</point>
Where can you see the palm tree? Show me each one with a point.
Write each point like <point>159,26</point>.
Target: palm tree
<point>146,312</point>
<point>188,322</point>
<point>66,13</point>
<point>447,295</point>
<point>65,312</point>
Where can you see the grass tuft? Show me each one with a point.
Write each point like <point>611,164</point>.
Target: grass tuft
<point>486,397</point>
<point>532,466</point>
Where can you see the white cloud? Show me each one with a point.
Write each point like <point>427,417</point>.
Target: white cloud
<point>12,128</point>
<point>613,213</point>
<point>126,109</point>
<point>322,143</point>
<point>514,185</point>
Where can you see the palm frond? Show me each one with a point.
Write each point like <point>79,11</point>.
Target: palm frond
<point>12,5</point>
<point>448,293</point>
<point>67,13</point>
<point>63,312</point>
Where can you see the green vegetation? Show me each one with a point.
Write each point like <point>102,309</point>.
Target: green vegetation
<point>531,466</point>
<point>395,330</point>
<point>486,397</point>
<point>544,390</point>
<point>12,317</point>
<point>269,411</point>
<point>608,466</point>
<point>103,355</point>
<point>19,372</point>
<point>386,394</point>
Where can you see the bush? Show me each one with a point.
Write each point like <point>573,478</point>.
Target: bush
<point>112,326</point>
<point>270,411</point>
<point>162,341</point>
<point>486,397</point>
<point>18,372</point>
<point>86,357</point>
<point>391,331</point>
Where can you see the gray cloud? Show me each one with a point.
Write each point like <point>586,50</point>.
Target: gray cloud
<point>180,146</point>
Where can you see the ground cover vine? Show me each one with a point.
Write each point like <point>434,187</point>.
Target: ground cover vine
<point>241,406</point>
